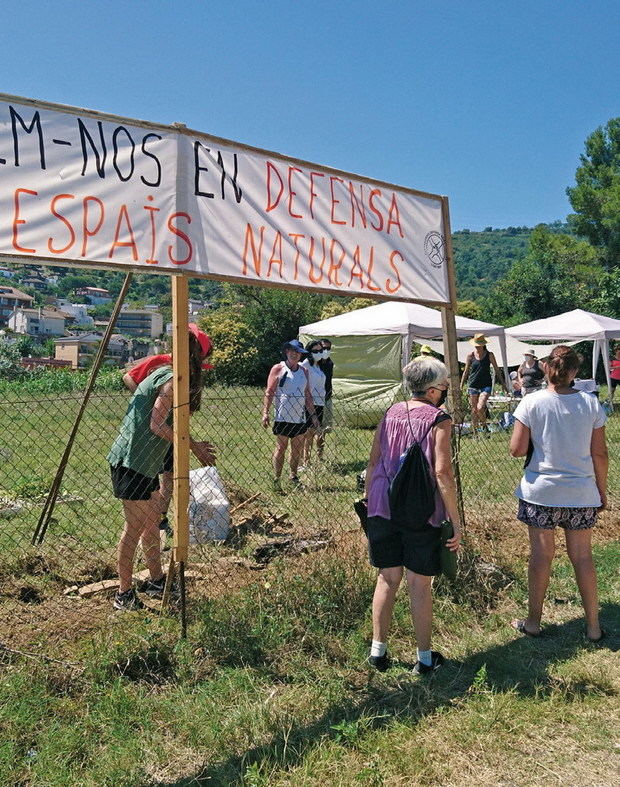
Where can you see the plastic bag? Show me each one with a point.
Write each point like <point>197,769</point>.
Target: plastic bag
<point>209,517</point>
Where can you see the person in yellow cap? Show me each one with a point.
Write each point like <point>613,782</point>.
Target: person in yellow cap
<point>426,350</point>
<point>477,374</point>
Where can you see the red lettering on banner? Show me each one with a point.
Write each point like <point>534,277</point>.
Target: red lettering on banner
<point>371,265</point>
<point>180,234</point>
<point>357,205</point>
<point>17,221</point>
<point>335,201</point>
<point>86,232</point>
<point>390,289</point>
<point>292,193</point>
<point>126,244</point>
<point>335,266</point>
<point>65,221</point>
<point>357,265</point>
<point>276,256</point>
<point>396,222</point>
<point>373,208</point>
<point>256,257</point>
<point>313,193</point>
<point>152,211</point>
<point>315,279</point>
<point>271,168</point>
<point>295,236</point>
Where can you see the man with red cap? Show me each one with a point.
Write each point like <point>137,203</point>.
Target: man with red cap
<point>132,379</point>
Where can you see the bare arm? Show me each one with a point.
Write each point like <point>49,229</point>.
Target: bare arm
<point>129,382</point>
<point>466,371</point>
<point>499,375</point>
<point>520,440</point>
<point>444,473</point>
<point>600,460</point>
<point>375,453</point>
<point>202,450</point>
<point>270,392</point>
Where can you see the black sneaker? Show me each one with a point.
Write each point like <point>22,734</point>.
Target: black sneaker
<point>128,600</point>
<point>424,669</point>
<point>165,526</point>
<point>154,588</point>
<point>380,663</point>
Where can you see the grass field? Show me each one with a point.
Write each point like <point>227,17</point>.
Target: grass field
<point>270,688</point>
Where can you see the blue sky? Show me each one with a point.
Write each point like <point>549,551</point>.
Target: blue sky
<point>487,102</point>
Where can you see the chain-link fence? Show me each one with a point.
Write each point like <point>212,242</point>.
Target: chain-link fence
<point>62,589</point>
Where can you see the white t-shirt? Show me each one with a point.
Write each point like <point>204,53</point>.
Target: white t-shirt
<point>316,379</point>
<point>560,472</point>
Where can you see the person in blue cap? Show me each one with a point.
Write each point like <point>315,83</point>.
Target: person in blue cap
<point>289,389</point>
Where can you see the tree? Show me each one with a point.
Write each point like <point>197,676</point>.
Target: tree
<point>343,305</point>
<point>558,273</point>
<point>468,309</point>
<point>596,196</point>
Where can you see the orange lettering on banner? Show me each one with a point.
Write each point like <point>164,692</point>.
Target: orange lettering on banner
<point>357,265</point>
<point>273,259</point>
<point>180,234</point>
<point>396,222</point>
<point>295,236</point>
<point>390,289</point>
<point>335,201</point>
<point>65,221</point>
<point>271,168</point>
<point>313,193</point>
<point>152,211</point>
<point>127,244</point>
<point>371,264</point>
<point>86,232</point>
<point>356,205</point>
<point>335,266</point>
<point>315,279</point>
<point>256,257</point>
<point>17,221</point>
<point>375,210</point>
<point>292,193</point>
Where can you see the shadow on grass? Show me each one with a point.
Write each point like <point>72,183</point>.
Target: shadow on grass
<point>521,665</point>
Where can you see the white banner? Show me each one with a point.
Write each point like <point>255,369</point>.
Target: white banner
<point>80,186</point>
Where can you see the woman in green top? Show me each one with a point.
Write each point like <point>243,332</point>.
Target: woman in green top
<point>136,458</point>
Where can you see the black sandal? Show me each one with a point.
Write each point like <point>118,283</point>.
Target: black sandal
<point>519,625</point>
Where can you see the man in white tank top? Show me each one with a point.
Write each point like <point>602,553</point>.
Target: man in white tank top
<point>288,385</point>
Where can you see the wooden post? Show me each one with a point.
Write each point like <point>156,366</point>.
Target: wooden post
<point>180,355</point>
<point>448,322</point>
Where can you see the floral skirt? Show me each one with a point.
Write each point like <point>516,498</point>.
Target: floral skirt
<point>549,517</point>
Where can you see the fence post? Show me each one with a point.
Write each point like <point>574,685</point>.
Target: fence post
<point>180,356</point>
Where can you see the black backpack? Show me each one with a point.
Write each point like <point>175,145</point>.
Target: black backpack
<point>412,490</point>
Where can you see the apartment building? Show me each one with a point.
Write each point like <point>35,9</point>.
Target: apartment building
<point>140,322</point>
<point>37,322</point>
<point>11,299</point>
<point>81,350</point>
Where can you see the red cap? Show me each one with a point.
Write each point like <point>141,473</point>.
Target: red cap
<point>206,345</point>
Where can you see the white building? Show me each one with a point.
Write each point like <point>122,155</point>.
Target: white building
<point>37,322</point>
<point>78,311</point>
<point>140,322</point>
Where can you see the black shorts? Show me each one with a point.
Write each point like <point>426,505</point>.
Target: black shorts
<point>318,409</point>
<point>168,461</point>
<point>390,546</point>
<point>614,384</point>
<point>288,429</point>
<point>127,484</point>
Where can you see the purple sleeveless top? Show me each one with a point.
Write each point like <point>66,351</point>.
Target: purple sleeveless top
<point>395,437</point>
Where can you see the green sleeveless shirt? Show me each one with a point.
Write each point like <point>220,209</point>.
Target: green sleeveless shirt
<point>136,447</point>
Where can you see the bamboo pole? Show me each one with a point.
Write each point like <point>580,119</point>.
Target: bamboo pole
<point>50,503</point>
<point>180,355</point>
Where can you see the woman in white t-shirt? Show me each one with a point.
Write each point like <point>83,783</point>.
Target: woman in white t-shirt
<point>316,382</point>
<point>562,432</point>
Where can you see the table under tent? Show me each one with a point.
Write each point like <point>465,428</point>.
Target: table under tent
<point>371,346</point>
<point>574,326</point>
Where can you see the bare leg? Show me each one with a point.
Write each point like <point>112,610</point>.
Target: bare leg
<point>320,443</point>
<point>421,600</point>
<point>579,547</point>
<point>482,410</point>
<point>278,454</point>
<point>387,586</point>
<point>297,444</point>
<point>473,406</point>
<point>542,546</point>
<point>308,438</point>
<point>165,491</point>
<point>140,516</point>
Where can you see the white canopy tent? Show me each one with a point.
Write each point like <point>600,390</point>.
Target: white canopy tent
<point>375,343</point>
<point>574,326</point>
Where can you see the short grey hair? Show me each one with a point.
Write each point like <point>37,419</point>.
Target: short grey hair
<point>423,372</point>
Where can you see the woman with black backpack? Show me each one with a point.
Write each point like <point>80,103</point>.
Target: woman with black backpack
<point>403,534</point>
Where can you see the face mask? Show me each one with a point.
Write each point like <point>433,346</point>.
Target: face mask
<point>317,356</point>
<point>442,398</point>
<point>326,354</point>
